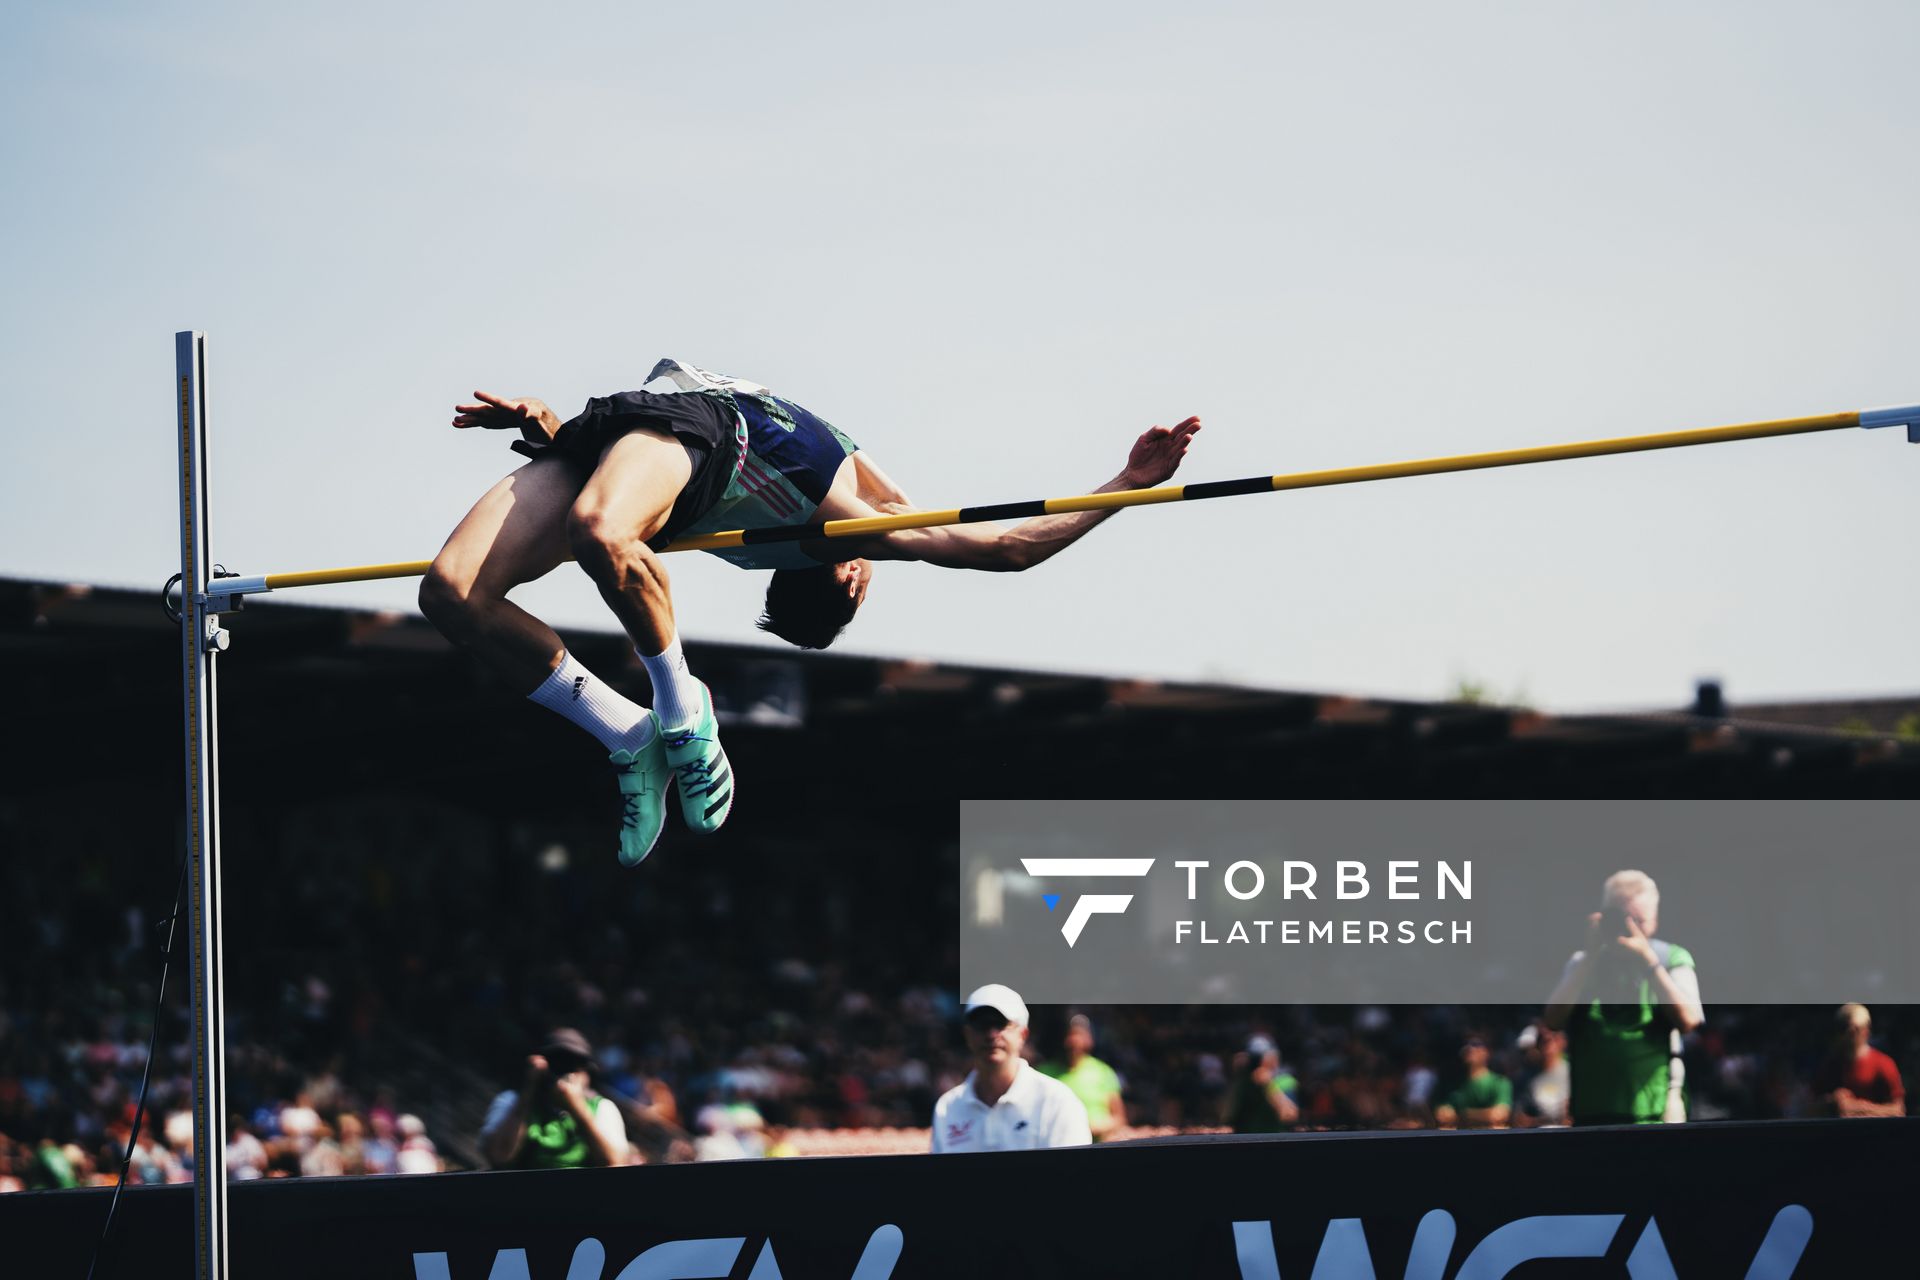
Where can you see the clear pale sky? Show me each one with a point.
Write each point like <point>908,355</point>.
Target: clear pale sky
<point>993,243</point>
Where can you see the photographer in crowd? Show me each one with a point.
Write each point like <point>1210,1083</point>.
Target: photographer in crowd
<point>1261,1098</point>
<point>1624,1000</point>
<point>556,1121</point>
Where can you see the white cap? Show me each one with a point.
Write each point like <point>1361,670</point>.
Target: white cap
<point>1004,999</point>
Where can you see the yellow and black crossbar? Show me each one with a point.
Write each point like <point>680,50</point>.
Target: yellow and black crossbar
<point>1907,416</point>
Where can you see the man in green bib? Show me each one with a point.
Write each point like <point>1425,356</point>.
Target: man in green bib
<point>1484,1099</point>
<point>1624,1000</point>
<point>1095,1083</point>
<point>556,1121</point>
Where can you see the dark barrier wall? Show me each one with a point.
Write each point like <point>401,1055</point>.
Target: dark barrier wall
<point>1764,1201</point>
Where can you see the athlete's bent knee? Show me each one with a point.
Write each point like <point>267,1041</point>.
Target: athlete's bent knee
<point>447,601</point>
<point>613,554</point>
<point>599,543</point>
<point>588,533</point>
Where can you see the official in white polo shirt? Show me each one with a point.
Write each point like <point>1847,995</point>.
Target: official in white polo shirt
<point>1004,1104</point>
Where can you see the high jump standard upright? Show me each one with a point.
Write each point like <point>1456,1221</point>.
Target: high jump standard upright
<point>201,637</point>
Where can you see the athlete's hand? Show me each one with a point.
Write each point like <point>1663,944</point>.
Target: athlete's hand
<point>529,416</point>
<point>1156,454</point>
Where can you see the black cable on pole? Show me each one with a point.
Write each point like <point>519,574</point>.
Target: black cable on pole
<point>146,1076</point>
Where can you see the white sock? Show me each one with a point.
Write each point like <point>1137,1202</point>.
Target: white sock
<point>582,697</point>
<point>676,694</point>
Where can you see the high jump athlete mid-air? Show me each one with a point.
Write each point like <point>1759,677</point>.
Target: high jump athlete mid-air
<point>693,452</point>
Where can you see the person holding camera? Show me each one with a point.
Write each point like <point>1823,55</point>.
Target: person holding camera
<point>1263,1095</point>
<point>1624,1000</point>
<point>556,1121</point>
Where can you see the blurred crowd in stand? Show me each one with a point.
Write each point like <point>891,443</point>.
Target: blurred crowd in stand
<point>385,983</point>
<point>67,1111</point>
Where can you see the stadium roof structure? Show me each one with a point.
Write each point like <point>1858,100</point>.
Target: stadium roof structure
<point>366,694</point>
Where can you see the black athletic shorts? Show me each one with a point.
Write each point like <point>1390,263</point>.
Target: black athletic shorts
<point>703,424</point>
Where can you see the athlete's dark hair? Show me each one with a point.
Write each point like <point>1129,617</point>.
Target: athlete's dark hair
<point>807,607</point>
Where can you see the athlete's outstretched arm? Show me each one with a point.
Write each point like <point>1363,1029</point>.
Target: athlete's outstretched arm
<point>1154,458</point>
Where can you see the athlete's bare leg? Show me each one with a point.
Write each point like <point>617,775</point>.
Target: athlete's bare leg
<point>516,533</point>
<point>627,501</point>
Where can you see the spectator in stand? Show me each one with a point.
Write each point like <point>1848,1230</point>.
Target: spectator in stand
<point>1857,1079</point>
<point>1261,1098</point>
<point>1624,1000</point>
<point>1484,1099</point>
<point>729,1130</point>
<point>13,1165</point>
<point>153,1164</point>
<point>322,1157</point>
<point>380,1151</point>
<point>1093,1082</point>
<point>779,1146</point>
<point>555,1120</point>
<point>1416,1088</point>
<point>56,1167</point>
<point>246,1155</point>
<point>1004,1104</point>
<point>300,1121</point>
<point>353,1145</point>
<point>417,1153</point>
<point>1544,1090</point>
<point>178,1132</point>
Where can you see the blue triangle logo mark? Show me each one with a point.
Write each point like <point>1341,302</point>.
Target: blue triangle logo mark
<point>1051,899</point>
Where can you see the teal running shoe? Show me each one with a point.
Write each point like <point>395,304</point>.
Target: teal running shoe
<point>700,768</point>
<point>642,776</point>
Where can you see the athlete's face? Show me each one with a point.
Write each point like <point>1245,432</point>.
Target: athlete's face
<point>853,577</point>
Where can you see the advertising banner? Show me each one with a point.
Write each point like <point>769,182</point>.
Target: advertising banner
<point>1811,1199</point>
